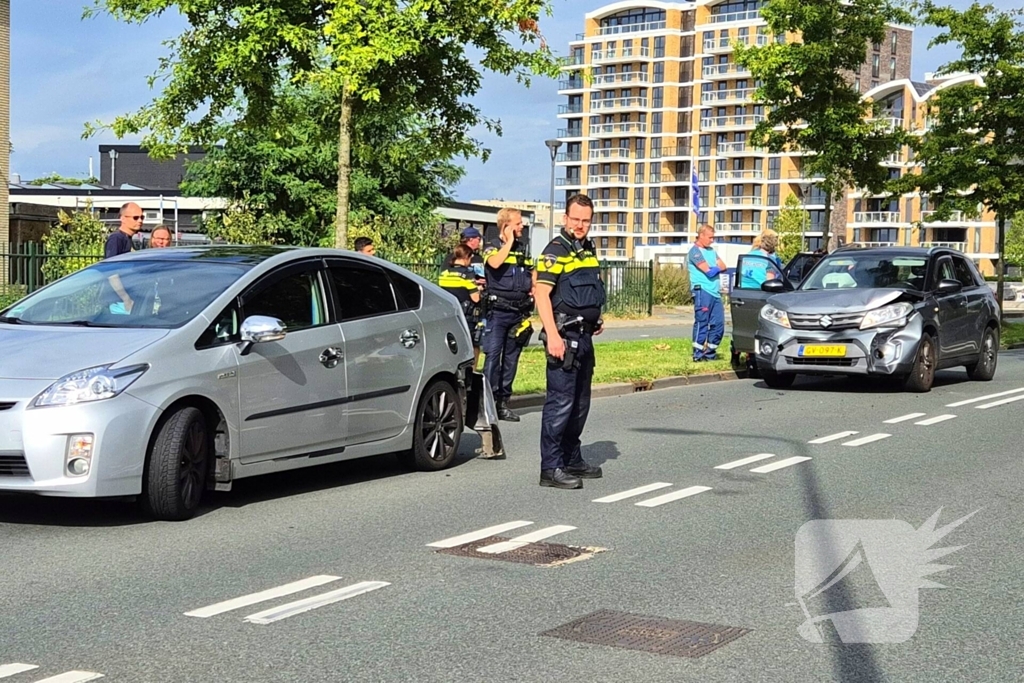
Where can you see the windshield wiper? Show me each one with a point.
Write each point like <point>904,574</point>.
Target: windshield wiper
<point>11,320</point>
<point>82,323</point>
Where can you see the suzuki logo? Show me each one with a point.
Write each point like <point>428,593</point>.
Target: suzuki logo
<point>825,321</point>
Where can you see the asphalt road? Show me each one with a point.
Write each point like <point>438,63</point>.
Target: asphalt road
<point>89,586</point>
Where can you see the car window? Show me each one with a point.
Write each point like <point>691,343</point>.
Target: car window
<point>362,291</point>
<point>409,294</point>
<point>800,266</point>
<point>963,272</point>
<point>754,270</point>
<point>867,271</point>
<point>943,271</point>
<point>223,330</point>
<point>295,299</point>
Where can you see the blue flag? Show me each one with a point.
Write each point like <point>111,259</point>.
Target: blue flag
<point>695,192</point>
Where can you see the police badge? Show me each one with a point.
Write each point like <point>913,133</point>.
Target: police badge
<point>549,261</point>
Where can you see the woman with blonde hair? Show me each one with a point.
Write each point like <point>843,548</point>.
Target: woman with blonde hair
<point>757,270</point>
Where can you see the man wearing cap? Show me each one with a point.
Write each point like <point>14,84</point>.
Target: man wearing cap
<point>472,238</point>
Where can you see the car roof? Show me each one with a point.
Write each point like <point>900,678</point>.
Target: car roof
<point>237,254</point>
<point>895,251</point>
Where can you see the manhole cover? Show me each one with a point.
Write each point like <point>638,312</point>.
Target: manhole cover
<point>537,554</point>
<point>650,634</point>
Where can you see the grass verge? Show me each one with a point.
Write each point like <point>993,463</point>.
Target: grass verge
<point>623,361</point>
<point>1012,333</point>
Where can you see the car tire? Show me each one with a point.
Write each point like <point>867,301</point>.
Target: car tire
<point>753,372</point>
<point>922,375</point>
<point>175,475</point>
<point>437,429</point>
<point>778,380</point>
<point>985,369</point>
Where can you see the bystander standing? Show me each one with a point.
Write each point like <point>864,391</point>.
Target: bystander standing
<point>708,315</point>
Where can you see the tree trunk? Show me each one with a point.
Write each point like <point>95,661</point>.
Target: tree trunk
<point>1001,269</point>
<point>828,223</point>
<point>344,169</point>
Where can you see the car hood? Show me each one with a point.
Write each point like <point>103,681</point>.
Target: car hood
<point>835,300</point>
<point>50,352</point>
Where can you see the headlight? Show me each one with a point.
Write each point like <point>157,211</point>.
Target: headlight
<point>894,315</point>
<point>91,384</point>
<point>774,315</point>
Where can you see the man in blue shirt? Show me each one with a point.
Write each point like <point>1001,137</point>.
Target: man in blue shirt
<point>708,315</point>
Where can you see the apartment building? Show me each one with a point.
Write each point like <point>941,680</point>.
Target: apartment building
<point>657,130</point>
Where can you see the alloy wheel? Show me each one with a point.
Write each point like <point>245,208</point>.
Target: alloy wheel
<point>191,467</point>
<point>440,425</point>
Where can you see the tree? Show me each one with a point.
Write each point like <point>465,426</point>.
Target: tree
<point>1013,245</point>
<point>75,242</point>
<point>232,63</point>
<point>812,105</point>
<point>791,223</point>
<point>973,154</point>
<point>58,178</point>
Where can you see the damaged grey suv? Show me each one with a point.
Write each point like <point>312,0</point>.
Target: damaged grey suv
<point>897,312</point>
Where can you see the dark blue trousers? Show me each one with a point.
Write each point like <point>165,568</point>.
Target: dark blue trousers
<point>502,353</point>
<point>708,325</point>
<point>566,407</point>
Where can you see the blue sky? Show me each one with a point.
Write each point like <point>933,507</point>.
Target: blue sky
<point>66,71</point>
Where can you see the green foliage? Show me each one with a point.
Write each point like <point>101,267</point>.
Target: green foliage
<point>75,242</point>
<point>241,225</point>
<point>10,295</point>
<point>57,178</point>
<point>1013,247</point>
<point>407,238</point>
<point>672,286</point>
<point>791,223</point>
<point>807,87</point>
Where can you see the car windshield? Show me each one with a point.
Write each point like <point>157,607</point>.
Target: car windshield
<point>868,271</point>
<point>133,293</point>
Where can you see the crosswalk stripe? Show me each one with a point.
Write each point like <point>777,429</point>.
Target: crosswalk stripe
<point>623,495</point>
<point>999,403</point>
<point>262,596</point>
<point>72,677</point>
<point>745,461</point>
<point>305,605</point>
<point>12,669</point>
<point>772,466</point>
<point>675,495</point>
<point>904,418</point>
<point>477,535</point>
<point>937,419</point>
<point>525,539</point>
<point>871,438</point>
<point>983,398</point>
<point>832,437</point>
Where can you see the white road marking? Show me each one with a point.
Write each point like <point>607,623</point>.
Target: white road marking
<point>640,490</point>
<point>904,418</point>
<point>745,461</point>
<point>262,596</point>
<point>832,437</point>
<point>477,535</point>
<point>1000,402</point>
<point>72,677</point>
<point>867,439</point>
<point>11,669</point>
<point>937,419</point>
<point>525,539</point>
<point>675,495</point>
<point>299,606</point>
<point>983,398</point>
<point>772,466</point>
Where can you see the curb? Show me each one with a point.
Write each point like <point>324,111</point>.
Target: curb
<point>1014,347</point>
<point>626,388</point>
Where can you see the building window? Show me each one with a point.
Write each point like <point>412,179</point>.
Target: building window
<point>638,222</point>
<point>659,72</point>
<point>774,168</point>
<point>656,122</point>
<point>892,69</point>
<point>659,47</point>
<point>894,40</point>
<point>773,195</point>
<point>856,84</point>
<point>657,98</point>
<point>876,63</point>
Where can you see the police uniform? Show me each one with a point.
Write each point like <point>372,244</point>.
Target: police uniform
<point>509,305</point>
<point>577,297</point>
<point>460,282</point>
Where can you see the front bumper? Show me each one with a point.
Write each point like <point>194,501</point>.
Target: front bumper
<point>34,443</point>
<point>882,351</point>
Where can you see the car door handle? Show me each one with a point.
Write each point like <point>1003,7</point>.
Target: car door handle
<point>738,302</point>
<point>409,338</point>
<point>331,357</point>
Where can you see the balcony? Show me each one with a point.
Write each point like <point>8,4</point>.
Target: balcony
<point>570,108</point>
<point>735,148</point>
<point>888,123</point>
<point>611,203</point>
<point>610,153</point>
<point>618,104</point>
<point>632,28</point>
<point>572,84</point>
<point>611,254</point>
<point>748,200</point>
<point>571,61</point>
<point>734,96</point>
<point>608,180</point>
<point>608,228</point>
<point>611,80</point>
<point>954,217</point>
<point>737,227</point>
<point>731,70</point>
<point>726,122</point>
<point>959,246</point>
<point>876,244</point>
<point>729,17</point>
<point>740,175</point>
<point>568,182</point>
<point>570,133</point>
<point>803,175</point>
<point>625,54</point>
<point>877,217</point>
<point>569,156</point>
<point>722,45</point>
<point>618,129</point>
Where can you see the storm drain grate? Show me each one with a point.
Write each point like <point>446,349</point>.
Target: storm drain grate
<point>537,554</point>
<point>649,634</point>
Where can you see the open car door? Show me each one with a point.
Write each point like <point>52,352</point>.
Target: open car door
<point>796,270</point>
<point>747,298</point>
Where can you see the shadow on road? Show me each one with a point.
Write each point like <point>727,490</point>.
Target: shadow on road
<point>845,384</point>
<point>600,452</point>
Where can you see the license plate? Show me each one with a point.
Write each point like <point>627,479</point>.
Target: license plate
<point>822,350</point>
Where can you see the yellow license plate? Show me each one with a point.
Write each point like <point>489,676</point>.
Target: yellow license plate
<point>823,350</point>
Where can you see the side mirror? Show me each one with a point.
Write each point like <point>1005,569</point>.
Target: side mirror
<point>775,286</point>
<point>257,329</point>
<point>949,287</point>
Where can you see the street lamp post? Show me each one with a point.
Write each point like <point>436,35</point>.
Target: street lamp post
<point>553,145</point>
<point>113,164</point>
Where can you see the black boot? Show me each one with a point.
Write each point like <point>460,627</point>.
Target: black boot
<point>559,479</point>
<point>582,470</point>
<point>505,413</point>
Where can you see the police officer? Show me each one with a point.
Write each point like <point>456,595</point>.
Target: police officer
<point>708,315</point>
<point>570,295</point>
<point>460,281</point>
<point>509,303</point>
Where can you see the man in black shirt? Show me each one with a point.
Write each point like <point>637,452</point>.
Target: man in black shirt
<point>120,242</point>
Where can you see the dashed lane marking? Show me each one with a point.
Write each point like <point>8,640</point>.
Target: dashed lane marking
<point>72,677</point>
<point>745,461</point>
<point>832,437</point>
<point>866,439</point>
<point>525,539</point>
<point>904,418</point>
<point>983,398</point>
<point>675,495</point>
<point>12,669</point>
<point>299,606</point>
<point>262,596</point>
<point>638,491</point>
<point>999,403</point>
<point>772,466</point>
<point>477,535</point>
<point>937,419</point>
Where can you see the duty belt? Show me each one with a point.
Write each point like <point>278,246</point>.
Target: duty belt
<point>564,321</point>
<point>502,304</point>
